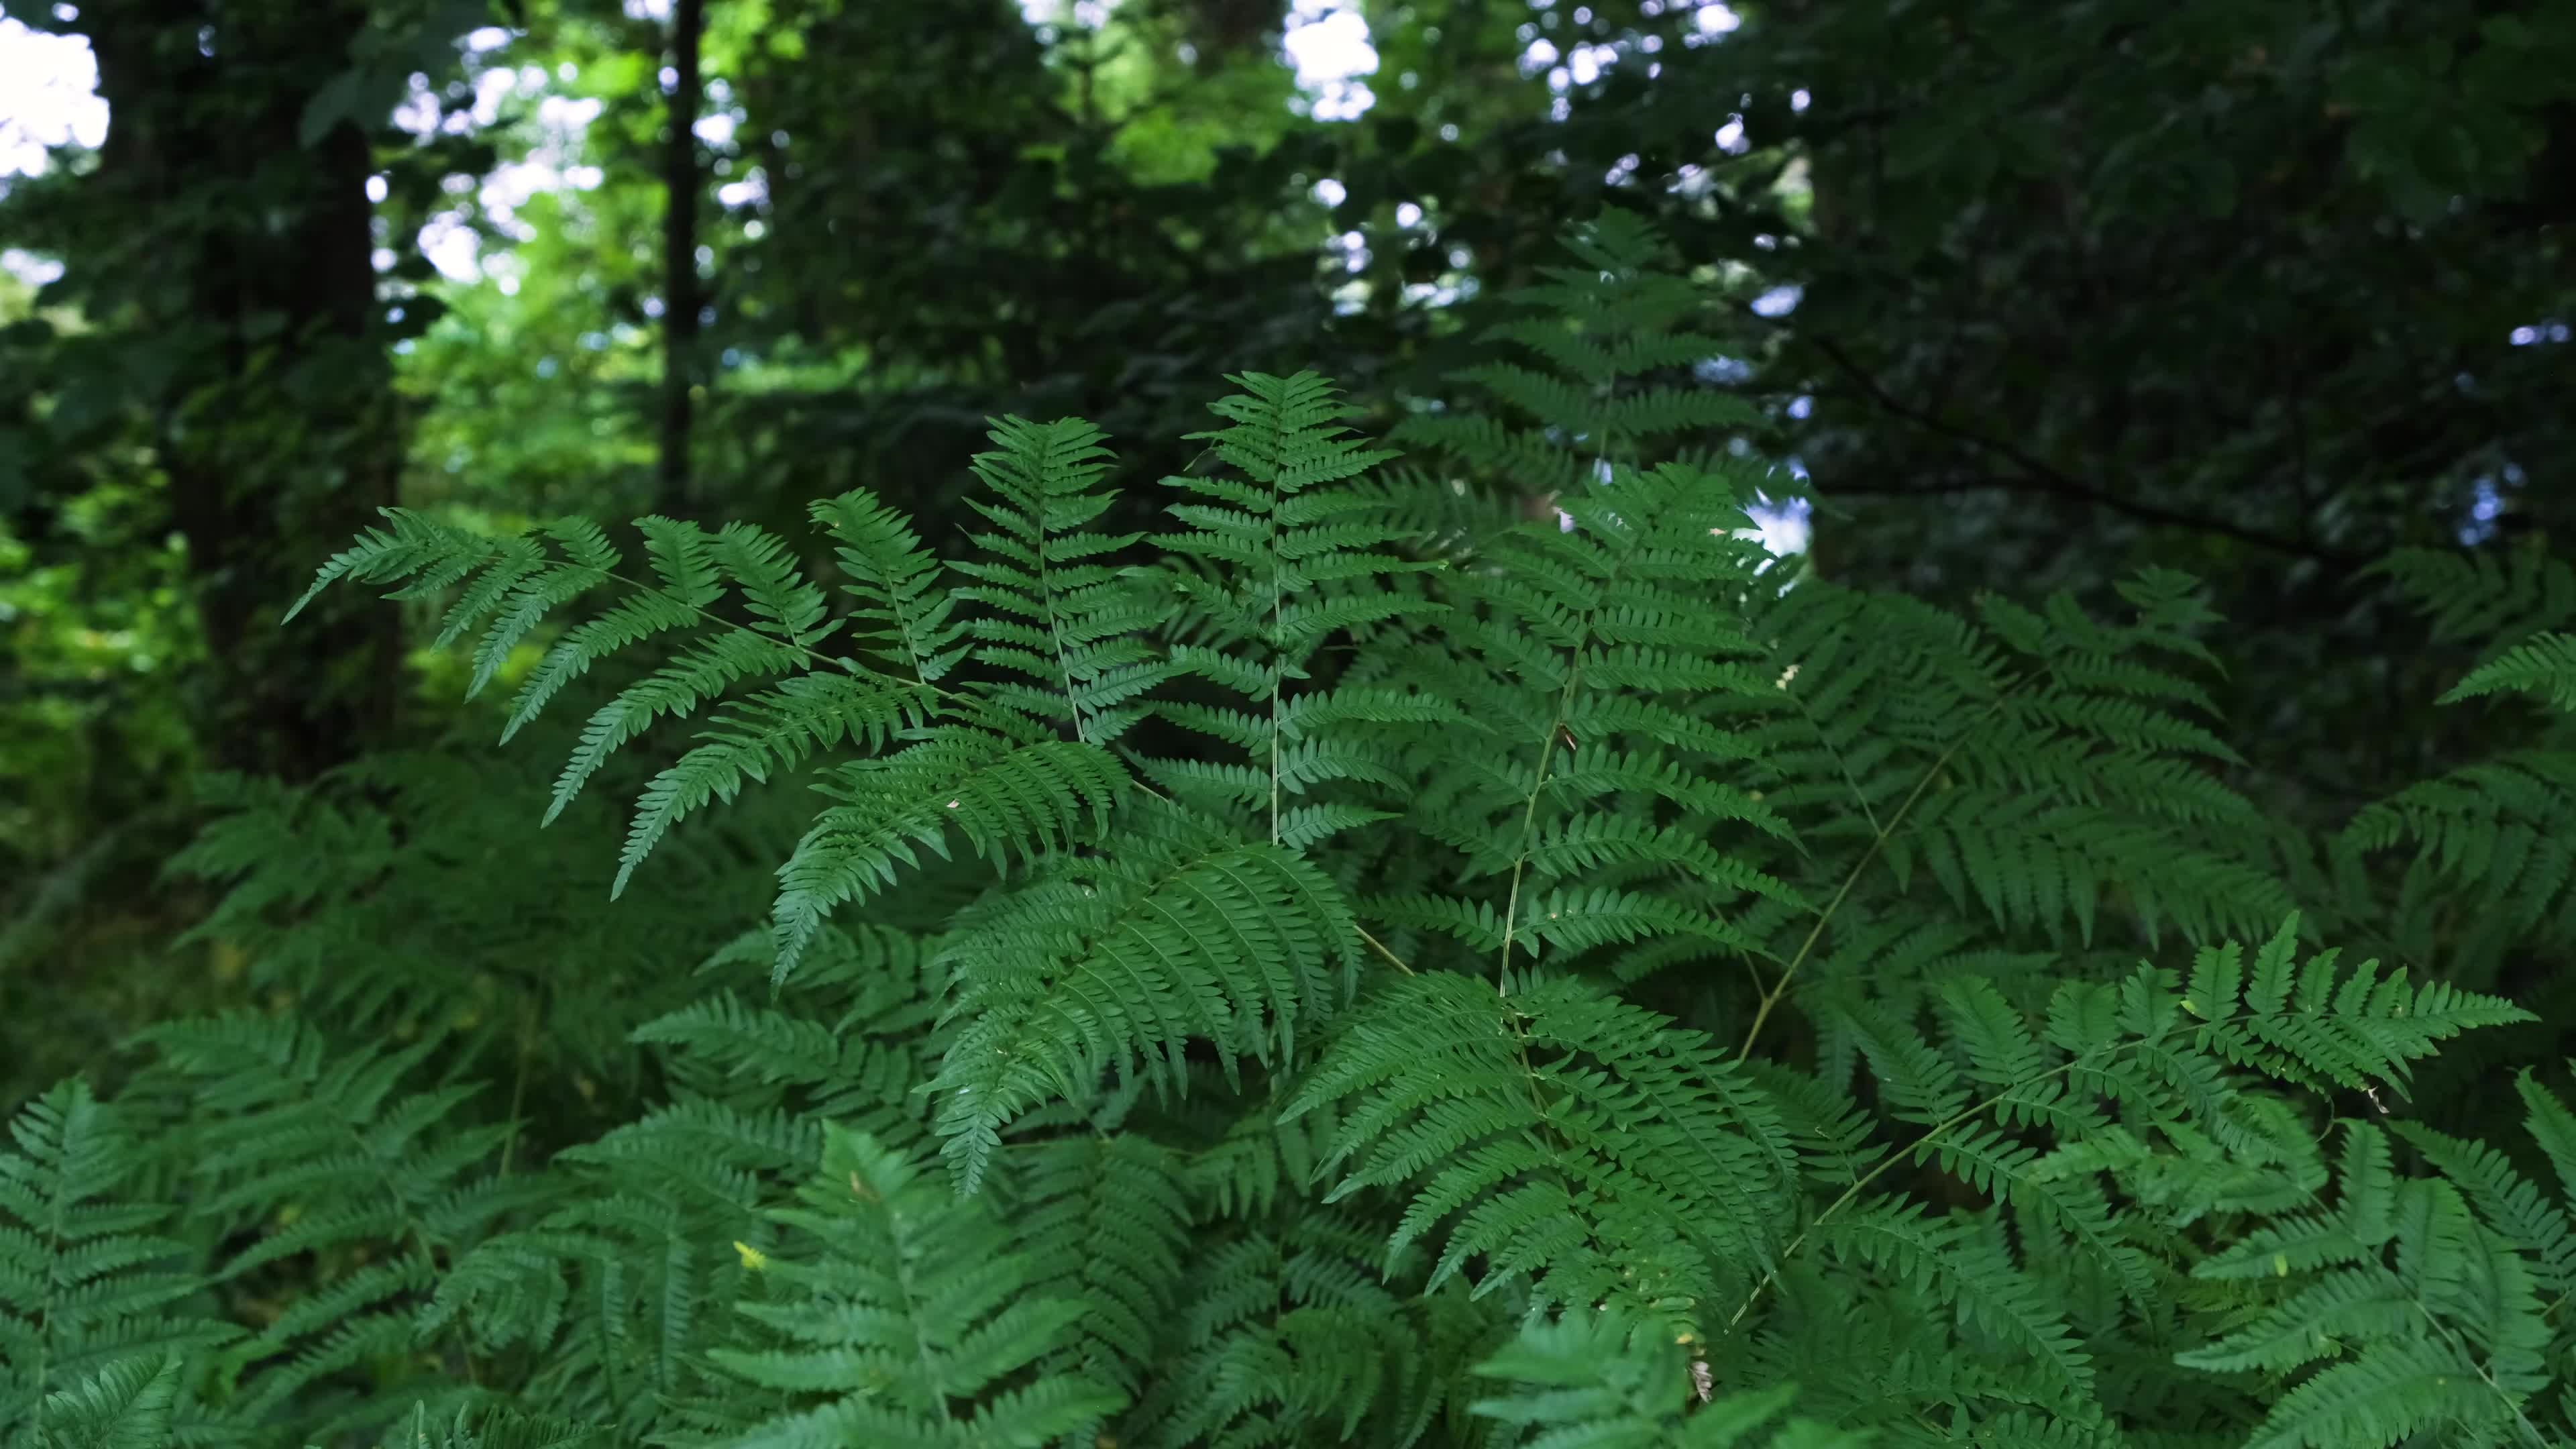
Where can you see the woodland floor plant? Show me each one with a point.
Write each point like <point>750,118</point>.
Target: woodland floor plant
<point>1356,967</point>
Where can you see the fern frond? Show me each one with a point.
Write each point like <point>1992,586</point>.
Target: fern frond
<point>1077,630</point>
<point>2482,593</point>
<point>621,1287</point>
<point>774,730</point>
<point>1607,1379</point>
<point>1107,1219</point>
<point>894,1303</point>
<point>494,1429</point>
<point>1299,553</point>
<point>2308,1025</point>
<point>1568,1135</point>
<point>1004,797</point>
<point>2492,872</point>
<point>92,1341</point>
<point>328,1155</point>
<point>680,556</point>
<point>414,546</point>
<point>1593,629</point>
<point>2342,1300</point>
<point>2037,764</point>
<point>1118,963</point>
<point>1992,1295</point>
<point>1284,1337</point>
<point>1873,1358</point>
<point>901,612</point>
<point>785,622</point>
<point>127,1404</point>
<point>1615,337</point>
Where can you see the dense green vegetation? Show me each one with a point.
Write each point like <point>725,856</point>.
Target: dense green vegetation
<point>1067,880</point>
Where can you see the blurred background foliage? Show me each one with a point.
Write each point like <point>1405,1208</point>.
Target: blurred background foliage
<point>2035,295</point>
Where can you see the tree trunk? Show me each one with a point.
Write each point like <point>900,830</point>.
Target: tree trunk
<point>246,260</point>
<point>680,298</point>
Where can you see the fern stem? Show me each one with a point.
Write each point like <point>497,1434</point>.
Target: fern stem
<point>1055,633</point>
<point>1379,947</point>
<point>1910,1149</point>
<point>1278,670</point>
<point>1277,675</point>
<point>2530,1432</point>
<point>1891,1159</point>
<point>1878,839</point>
<point>519,1081</point>
<point>1529,821</point>
<point>1860,797</point>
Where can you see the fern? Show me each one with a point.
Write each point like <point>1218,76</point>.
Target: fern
<point>2545,665</point>
<point>912,1309</point>
<point>1287,562</point>
<point>491,1430</point>
<point>458,912</point>
<point>1107,1220</point>
<point>1117,963</point>
<point>1567,1133</point>
<point>328,1158</point>
<point>2345,1302</point>
<point>2501,596</point>
<point>1004,798</point>
<point>1604,342</point>
<point>1070,626</point>
<point>1351,965</point>
<point>623,1286</point>
<point>127,1405</point>
<point>1566,659</point>
<point>94,1345</point>
<point>1598,1379</point>
<point>2490,869</point>
<point>1283,1336</point>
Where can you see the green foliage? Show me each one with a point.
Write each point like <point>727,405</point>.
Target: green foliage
<point>1119,962</point>
<point>92,1333</point>
<point>1587,1380</point>
<point>2491,877</point>
<point>907,1319</point>
<point>1592,981</point>
<point>371,1184</point>
<point>1598,337</point>
<point>1576,1136</point>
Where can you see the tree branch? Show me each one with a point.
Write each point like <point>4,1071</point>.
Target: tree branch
<point>2038,476</point>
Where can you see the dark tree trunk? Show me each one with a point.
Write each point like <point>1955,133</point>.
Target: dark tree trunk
<point>680,298</point>
<point>269,383</point>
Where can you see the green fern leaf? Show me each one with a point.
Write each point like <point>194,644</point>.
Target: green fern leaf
<point>92,1336</point>
<point>902,612</point>
<point>1003,797</point>
<point>1566,1132</point>
<point>125,1405</point>
<point>1075,629</point>
<point>1104,964</point>
<point>1606,1379</point>
<point>905,1302</point>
